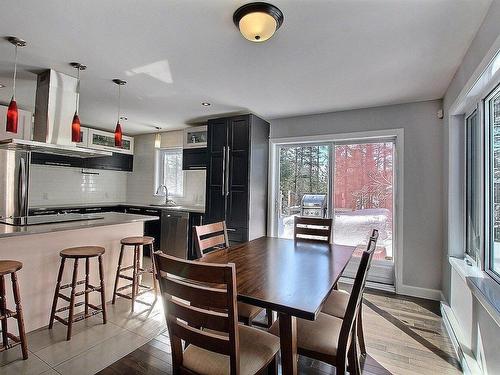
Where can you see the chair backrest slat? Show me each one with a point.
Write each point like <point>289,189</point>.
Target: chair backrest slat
<point>210,236</point>
<point>199,297</point>
<point>312,229</point>
<point>356,296</point>
<point>199,317</point>
<point>206,340</point>
<point>216,273</point>
<point>204,295</point>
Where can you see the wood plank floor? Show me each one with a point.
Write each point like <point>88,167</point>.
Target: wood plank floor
<point>404,336</point>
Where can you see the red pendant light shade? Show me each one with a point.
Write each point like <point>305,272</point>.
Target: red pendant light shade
<point>118,135</point>
<point>12,116</point>
<point>75,129</point>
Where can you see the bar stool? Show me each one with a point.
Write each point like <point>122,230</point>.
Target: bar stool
<point>137,271</point>
<point>10,267</point>
<point>77,253</point>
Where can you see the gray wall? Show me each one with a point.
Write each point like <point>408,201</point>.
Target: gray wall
<point>423,180</point>
<point>453,138</point>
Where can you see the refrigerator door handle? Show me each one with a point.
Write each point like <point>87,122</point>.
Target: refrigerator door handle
<point>22,187</point>
<point>222,188</point>
<point>228,167</point>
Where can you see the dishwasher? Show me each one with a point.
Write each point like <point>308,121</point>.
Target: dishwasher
<point>174,233</point>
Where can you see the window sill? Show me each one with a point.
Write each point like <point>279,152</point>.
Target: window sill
<point>482,286</point>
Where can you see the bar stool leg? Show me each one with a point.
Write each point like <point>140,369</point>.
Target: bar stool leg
<point>3,311</point>
<point>103,297</point>
<point>87,271</point>
<point>155,280</point>
<point>134,276</point>
<point>19,313</point>
<point>72,300</point>
<point>118,273</point>
<point>56,293</point>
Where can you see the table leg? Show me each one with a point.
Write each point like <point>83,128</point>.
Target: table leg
<point>288,343</point>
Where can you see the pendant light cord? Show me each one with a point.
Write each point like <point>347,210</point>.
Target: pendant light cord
<point>15,75</point>
<point>119,102</point>
<point>77,91</point>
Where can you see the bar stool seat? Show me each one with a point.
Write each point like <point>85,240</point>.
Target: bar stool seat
<point>82,252</point>
<point>77,253</point>
<point>137,288</point>
<point>9,340</point>
<point>9,266</point>
<point>139,241</point>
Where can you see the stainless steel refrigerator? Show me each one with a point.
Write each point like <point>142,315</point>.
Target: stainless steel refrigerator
<point>14,183</point>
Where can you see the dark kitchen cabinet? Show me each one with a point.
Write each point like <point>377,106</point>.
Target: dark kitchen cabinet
<point>116,162</point>
<point>194,158</point>
<point>57,160</point>
<point>236,187</point>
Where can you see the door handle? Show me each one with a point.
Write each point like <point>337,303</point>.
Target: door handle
<point>22,188</point>
<point>228,167</point>
<point>223,189</point>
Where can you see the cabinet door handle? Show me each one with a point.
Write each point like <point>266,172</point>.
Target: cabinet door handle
<point>223,189</point>
<point>231,230</point>
<point>228,167</point>
<point>58,164</point>
<point>151,211</point>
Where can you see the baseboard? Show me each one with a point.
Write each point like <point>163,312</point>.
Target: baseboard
<point>415,291</point>
<point>466,358</point>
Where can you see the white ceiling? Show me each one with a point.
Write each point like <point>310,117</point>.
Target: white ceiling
<point>329,55</point>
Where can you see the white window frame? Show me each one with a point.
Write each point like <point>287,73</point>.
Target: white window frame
<point>396,134</point>
<point>159,168</point>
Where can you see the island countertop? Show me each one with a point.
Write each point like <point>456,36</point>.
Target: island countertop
<point>103,219</point>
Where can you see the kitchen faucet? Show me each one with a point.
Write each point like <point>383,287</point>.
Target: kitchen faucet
<point>164,188</point>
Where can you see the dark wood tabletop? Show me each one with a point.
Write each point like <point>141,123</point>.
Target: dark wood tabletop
<point>289,277</point>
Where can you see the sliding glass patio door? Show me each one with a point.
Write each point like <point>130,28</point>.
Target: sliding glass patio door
<point>351,182</point>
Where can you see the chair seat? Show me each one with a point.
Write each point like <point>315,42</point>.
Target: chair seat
<point>319,336</point>
<point>139,240</point>
<point>257,349</point>
<point>248,311</point>
<point>82,252</point>
<point>336,303</point>
<point>9,266</point>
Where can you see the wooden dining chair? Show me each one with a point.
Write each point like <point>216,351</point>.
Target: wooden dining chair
<point>337,301</point>
<point>217,344</point>
<point>331,339</point>
<point>210,237</point>
<point>312,229</point>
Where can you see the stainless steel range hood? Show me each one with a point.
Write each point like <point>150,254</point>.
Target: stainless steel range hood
<point>54,110</point>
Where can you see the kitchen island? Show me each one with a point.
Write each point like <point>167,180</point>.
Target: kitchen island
<point>38,247</point>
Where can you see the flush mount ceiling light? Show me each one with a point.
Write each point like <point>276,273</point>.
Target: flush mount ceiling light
<point>118,129</point>
<point>2,86</point>
<point>75,124</point>
<point>258,22</point>
<point>205,104</point>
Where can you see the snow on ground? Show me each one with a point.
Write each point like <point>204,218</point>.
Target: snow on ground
<point>353,228</point>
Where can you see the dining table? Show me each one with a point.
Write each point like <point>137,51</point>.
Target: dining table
<point>291,277</point>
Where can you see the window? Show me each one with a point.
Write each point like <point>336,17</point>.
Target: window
<point>473,187</point>
<point>169,171</point>
<point>492,121</point>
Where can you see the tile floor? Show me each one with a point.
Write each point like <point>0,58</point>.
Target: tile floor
<point>93,345</point>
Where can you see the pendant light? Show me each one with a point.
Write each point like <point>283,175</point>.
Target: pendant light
<point>258,22</point>
<point>157,137</point>
<point>118,129</point>
<point>12,114</point>
<point>75,124</point>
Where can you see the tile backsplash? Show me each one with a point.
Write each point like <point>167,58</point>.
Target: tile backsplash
<point>52,186</point>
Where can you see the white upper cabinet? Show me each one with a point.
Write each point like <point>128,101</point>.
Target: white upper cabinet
<point>24,127</point>
<point>102,140</point>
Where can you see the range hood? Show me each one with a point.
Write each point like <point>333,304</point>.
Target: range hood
<point>54,109</point>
